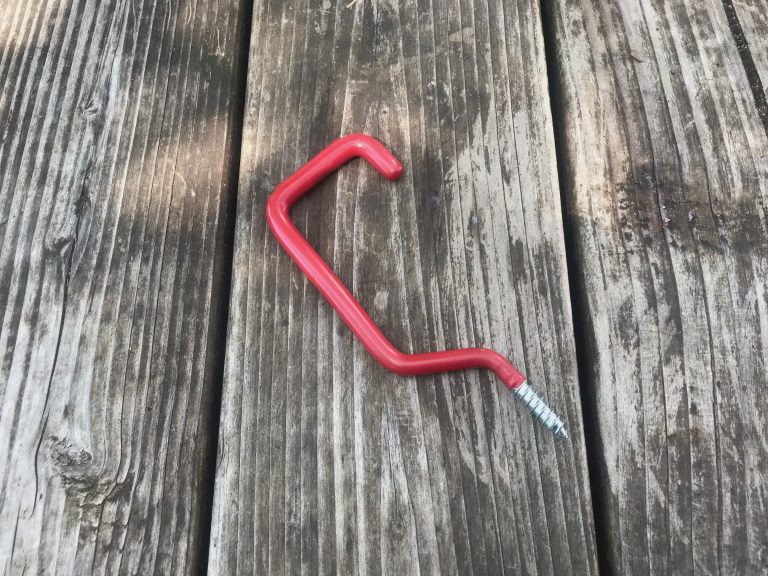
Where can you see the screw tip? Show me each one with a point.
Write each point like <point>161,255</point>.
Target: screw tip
<point>540,410</point>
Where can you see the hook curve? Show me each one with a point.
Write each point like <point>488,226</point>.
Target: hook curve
<point>341,299</point>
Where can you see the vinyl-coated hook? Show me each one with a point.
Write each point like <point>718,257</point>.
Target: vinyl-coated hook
<point>300,183</point>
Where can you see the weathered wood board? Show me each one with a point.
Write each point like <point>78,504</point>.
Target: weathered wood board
<point>749,24</point>
<point>115,155</point>
<point>327,463</point>
<point>752,18</point>
<point>665,165</point>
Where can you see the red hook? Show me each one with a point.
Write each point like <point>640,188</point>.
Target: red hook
<point>300,183</point>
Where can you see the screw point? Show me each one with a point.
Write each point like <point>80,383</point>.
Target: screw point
<point>540,410</point>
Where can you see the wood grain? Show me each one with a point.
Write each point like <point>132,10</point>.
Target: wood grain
<point>753,20</point>
<point>115,152</point>
<point>327,463</point>
<point>749,25</point>
<point>665,165</point>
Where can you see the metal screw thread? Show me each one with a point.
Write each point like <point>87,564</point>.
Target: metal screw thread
<point>540,410</point>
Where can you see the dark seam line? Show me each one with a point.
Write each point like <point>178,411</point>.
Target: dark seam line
<point>222,279</point>
<point>753,77</point>
<point>594,450</point>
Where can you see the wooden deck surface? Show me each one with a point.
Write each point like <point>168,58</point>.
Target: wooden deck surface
<point>665,179</point>
<point>117,121</point>
<point>585,190</point>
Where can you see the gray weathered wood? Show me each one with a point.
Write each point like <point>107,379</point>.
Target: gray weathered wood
<point>666,178</point>
<point>753,21</point>
<point>749,24</point>
<point>327,463</point>
<point>115,122</point>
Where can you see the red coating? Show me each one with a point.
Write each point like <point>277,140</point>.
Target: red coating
<point>279,205</point>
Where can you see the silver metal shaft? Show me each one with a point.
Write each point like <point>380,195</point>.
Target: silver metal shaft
<point>541,411</point>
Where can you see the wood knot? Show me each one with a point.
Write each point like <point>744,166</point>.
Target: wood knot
<point>71,461</point>
<point>60,244</point>
<point>90,108</point>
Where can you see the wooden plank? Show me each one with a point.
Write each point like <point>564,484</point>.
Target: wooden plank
<point>114,159</point>
<point>327,463</point>
<point>666,181</point>
<point>753,21</point>
<point>749,24</point>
